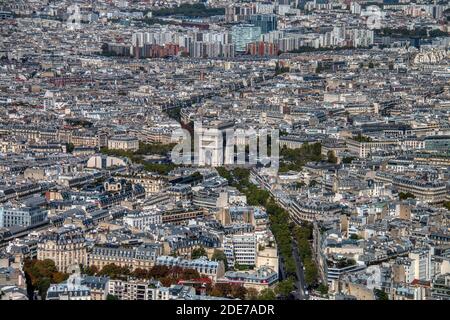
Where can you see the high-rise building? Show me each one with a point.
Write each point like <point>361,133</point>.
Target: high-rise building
<point>267,22</point>
<point>260,48</point>
<point>421,264</point>
<point>244,34</point>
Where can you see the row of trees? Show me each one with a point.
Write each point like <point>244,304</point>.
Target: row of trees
<point>303,234</point>
<point>419,32</point>
<point>239,178</point>
<point>283,288</point>
<point>144,149</point>
<point>278,216</point>
<point>167,275</point>
<point>172,275</point>
<point>40,274</point>
<point>280,227</point>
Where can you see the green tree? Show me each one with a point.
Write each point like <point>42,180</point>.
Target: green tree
<point>285,287</point>
<point>189,10</point>
<point>295,159</point>
<point>447,205</point>
<point>221,290</point>
<point>381,295</point>
<point>91,270</point>
<point>114,271</point>
<point>238,291</point>
<point>42,284</point>
<point>188,274</point>
<point>347,160</point>
<point>252,294</point>
<point>354,237</point>
<point>267,294</point>
<point>312,183</point>
<point>332,157</point>
<point>111,297</point>
<point>69,147</point>
<point>140,273</point>
<point>219,255</point>
<point>310,272</point>
<point>361,138</point>
<point>406,195</point>
<point>198,252</point>
<point>40,274</point>
<point>323,289</point>
<point>299,185</point>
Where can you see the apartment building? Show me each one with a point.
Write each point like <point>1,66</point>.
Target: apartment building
<point>143,256</point>
<point>211,269</point>
<point>65,246</point>
<point>240,249</point>
<point>123,143</point>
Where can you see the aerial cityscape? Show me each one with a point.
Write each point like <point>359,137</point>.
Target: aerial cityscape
<point>224,150</point>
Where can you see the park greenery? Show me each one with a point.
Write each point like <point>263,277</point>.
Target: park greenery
<point>198,253</point>
<point>295,159</point>
<point>152,21</point>
<point>78,122</point>
<point>414,33</point>
<point>166,275</point>
<point>348,160</point>
<point>361,138</point>
<point>447,205</point>
<point>381,295</point>
<point>189,10</point>
<point>145,149</point>
<point>239,178</point>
